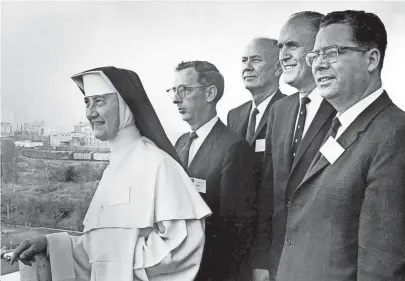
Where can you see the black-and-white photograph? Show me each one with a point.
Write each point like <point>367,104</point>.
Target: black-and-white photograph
<point>202,140</point>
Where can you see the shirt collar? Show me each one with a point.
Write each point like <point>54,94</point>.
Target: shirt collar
<point>205,129</point>
<point>263,105</point>
<point>314,96</point>
<point>347,117</point>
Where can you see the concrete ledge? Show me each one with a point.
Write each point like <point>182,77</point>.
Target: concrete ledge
<point>39,271</point>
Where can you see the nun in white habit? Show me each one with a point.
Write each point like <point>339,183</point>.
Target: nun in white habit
<point>146,219</point>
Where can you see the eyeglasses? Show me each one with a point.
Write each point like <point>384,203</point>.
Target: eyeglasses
<point>183,90</point>
<point>330,54</point>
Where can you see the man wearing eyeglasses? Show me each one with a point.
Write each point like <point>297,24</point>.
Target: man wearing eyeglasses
<point>296,127</point>
<point>220,163</point>
<point>347,217</point>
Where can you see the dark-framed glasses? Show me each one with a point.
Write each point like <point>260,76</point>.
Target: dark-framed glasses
<point>330,54</point>
<point>183,90</point>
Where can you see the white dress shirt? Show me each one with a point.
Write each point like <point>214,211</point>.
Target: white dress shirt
<point>312,109</point>
<point>202,134</point>
<point>261,108</point>
<point>347,117</point>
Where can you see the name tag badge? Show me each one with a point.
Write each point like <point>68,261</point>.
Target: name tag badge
<point>200,185</point>
<point>260,145</point>
<point>331,150</point>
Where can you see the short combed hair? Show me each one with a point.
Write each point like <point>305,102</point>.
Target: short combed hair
<point>314,18</point>
<point>368,29</point>
<point>208,74</point>
<point>270,42</point>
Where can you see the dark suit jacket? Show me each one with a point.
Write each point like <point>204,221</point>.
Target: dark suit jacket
<point>347,219</point>
<point>281,175</point>
<point>225,162</point>
<point>238,119</point>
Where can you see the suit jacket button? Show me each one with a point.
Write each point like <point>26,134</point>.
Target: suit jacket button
<point>288,203</point>
<point>288,241</point>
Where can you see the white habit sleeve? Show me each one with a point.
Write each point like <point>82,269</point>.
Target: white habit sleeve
<point>171,251</point>
<point>68,259</point>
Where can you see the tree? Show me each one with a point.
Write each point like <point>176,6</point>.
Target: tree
<point>70,174</point>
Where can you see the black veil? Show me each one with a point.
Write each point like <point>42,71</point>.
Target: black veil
<point>130,87</point>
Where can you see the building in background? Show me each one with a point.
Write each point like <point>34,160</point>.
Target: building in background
<point>34,127</point>
<point>6,128</point>
<point>84,128</point>
<point>58,139</point>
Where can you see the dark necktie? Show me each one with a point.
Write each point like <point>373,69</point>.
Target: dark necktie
<point>185,151</point>
<point>251,125</point>
<point>333,128</point>
<point>299,129</point>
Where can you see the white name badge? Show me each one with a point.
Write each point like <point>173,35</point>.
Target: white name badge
<point>200,184</point>
<point>260,145</point>
<point>331,150</point>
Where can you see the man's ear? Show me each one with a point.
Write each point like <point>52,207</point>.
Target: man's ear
<point>373,59</point>
<point>211,93</point>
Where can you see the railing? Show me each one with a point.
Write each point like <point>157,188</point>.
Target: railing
<point>39,271</point>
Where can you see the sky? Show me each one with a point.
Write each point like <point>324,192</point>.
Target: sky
<point>44,43</point>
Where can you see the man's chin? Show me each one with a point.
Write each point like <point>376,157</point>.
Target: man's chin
<point>250,86</point>
<point>327,94</point>
<point>101,137</point>
<point>185,117</point>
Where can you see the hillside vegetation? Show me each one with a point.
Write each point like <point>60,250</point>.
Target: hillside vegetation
<point>49,193</point>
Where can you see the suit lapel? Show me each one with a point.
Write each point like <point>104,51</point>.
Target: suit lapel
<point>351,134</point>
<point>291,116</point>
<point>322,115</point>
<point>206,146</point>
<point>242,123</point>
<point>278,95</point>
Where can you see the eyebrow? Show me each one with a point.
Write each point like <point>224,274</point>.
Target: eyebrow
<point>288,43</point>
<point>100,96</point>
<point>252,57</point>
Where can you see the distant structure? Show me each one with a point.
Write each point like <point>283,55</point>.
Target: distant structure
<point>82,135</point>
<point>83,128</point>
<point>34,127</point>
<point>28,143</point>
<point>60,139</point>
<point>6,128</point>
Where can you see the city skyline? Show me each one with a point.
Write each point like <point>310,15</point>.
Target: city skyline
<point>45,43</point>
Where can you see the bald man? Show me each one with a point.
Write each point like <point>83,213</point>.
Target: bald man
<point>260,73</point>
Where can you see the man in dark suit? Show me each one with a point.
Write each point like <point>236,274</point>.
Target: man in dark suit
<point>346,220</point>
<point>220,163</point>
<point>296,128</point>
<point>260,74</point>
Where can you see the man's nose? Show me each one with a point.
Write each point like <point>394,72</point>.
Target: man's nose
<point>320,63</point>
<point>176,99</point>
<point>247,65</point>
<point>284,54</point>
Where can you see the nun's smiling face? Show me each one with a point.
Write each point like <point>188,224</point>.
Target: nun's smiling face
<point>103,114</point>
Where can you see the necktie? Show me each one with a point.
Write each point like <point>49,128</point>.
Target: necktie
<point>333,128</point>
<point>185,151</point>
<point>299,129</point>
<point>251,125</point>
